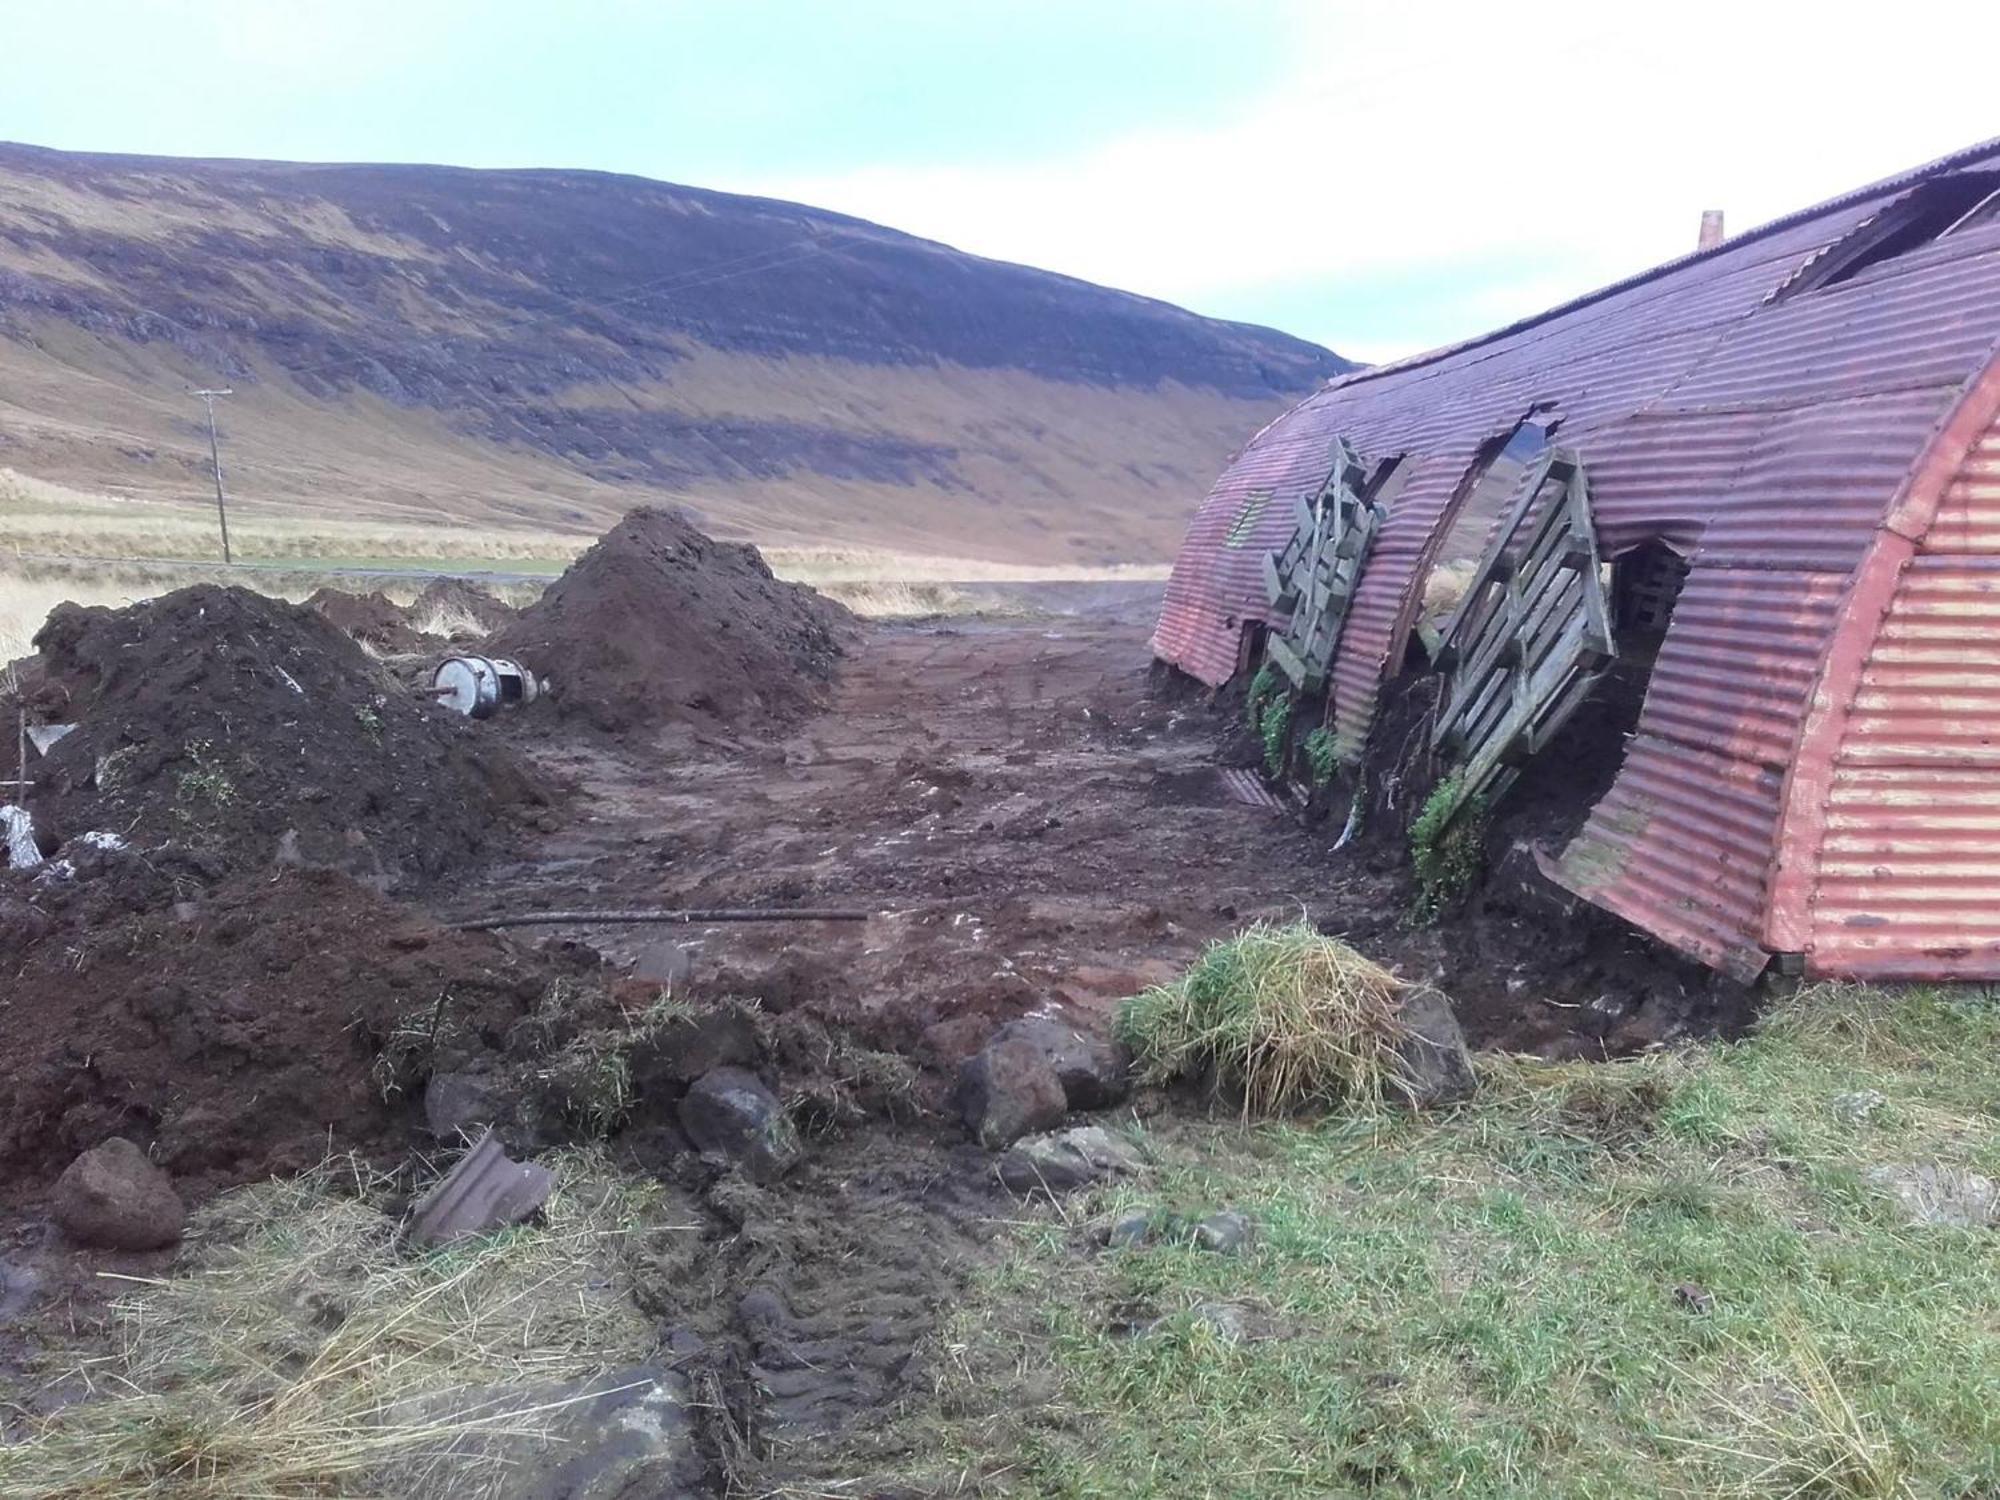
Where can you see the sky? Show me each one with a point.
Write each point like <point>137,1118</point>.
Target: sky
<point>1379,177</point>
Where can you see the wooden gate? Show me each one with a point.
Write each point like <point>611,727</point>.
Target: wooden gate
<point>1315,573</point>
<point>1530,638</point>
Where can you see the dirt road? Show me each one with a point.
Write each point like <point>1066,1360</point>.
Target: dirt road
<point>1035,828</point>
<point>1031,827</point>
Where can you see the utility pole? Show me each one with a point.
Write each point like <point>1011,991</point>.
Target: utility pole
<point>215,458</point>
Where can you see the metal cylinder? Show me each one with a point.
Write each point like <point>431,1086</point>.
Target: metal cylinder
<point>477,686</point>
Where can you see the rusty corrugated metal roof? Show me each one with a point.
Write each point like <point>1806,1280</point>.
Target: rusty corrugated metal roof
<point>1766,439</point>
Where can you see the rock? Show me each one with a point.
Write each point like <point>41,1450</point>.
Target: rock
<point>1694,1297</point>
<point>1007,1090</point>
<point>1234,1322</point>
<point>1224,1233</point>
<point>461,1105</point>
<point>1095,1072</point>
<point>1064,1160</point>
<point>1933,1194</point>
<point>730,1113</point>
<point>114,1198</point>
<point>1228,1322</point>
<point>1858,1108</point>
<point>1129,1230</point>
<point>636,1438</point>
<point>668,964</point>
<point>1436,1066</point>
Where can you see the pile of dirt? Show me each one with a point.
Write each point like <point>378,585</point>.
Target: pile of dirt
<point>244,730</point>
<point>375,620</point>
<point>457,610</point>
<point>659,623</point>
<point>238,1032</point>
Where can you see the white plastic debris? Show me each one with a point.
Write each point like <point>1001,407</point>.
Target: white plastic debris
<point>291,681</point>
<point>44,736</point>
<point>22,853</point>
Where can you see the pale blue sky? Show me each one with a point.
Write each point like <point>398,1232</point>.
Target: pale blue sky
<point>1380,177</point>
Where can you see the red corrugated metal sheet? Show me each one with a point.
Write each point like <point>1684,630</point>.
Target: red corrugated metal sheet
<point>1905,879</point>
<point>1679,846</point>
<point>1682,843</point>
<point>1765,438</point>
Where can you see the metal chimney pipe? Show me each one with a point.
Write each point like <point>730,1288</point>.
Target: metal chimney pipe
<point>1711,229</point>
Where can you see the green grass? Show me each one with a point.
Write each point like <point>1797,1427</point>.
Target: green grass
<point>1447,850</point>
<point>1484,1303</point>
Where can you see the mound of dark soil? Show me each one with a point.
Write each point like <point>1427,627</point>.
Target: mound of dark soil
<point>658,623</point>
<point>454,598</point>
<point>373,619</point>
<point>245,729</point>
<point>238,1034</point>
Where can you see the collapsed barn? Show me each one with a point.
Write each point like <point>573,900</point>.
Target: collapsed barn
<point>1769,474</point>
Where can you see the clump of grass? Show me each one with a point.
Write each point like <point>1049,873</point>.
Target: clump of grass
<point>302,1352</point>
<point>1282,1014</point>
<point>1264,686</point>
<point>1322,752</point>
<point>1276,733</point>
<point>1447,849</point>
<point>588,1067</point>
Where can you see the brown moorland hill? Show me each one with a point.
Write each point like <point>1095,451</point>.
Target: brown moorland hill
<point>547,348</point>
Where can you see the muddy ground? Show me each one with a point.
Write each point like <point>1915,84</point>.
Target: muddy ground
<point>1035,827</point>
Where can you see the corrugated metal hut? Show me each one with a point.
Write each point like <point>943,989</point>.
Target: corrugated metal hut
<point>1804,423</point>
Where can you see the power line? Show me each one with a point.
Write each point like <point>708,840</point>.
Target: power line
<point>215,458</point>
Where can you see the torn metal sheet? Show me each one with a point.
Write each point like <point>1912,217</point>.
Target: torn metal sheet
<point>1248,788</point>
<point>484,1191</point>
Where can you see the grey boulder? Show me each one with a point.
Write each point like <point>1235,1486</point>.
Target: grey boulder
<point>1064,1160</point>
<point>1934,1195</point>
<point>1435,1066</point>
<point>1095,1072</point>
<point>1009,1089</point>
<point>113,1198</point>
<point>729,1113</point>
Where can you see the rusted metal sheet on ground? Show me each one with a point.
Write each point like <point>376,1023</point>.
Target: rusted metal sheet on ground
<point>485,1190</point>
<point>1680,846</point>
<point>1762,432</point>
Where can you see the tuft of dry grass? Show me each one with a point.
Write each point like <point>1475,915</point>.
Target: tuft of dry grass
<point>894,599</point>
<point>305,1352</point>
<point>1795,1430</point>
<point>1445,587</point>
<point>1284,1014</point>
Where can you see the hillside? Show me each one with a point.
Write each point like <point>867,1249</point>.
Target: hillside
<point>546,348</point>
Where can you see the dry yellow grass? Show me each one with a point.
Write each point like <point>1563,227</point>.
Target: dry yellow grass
<point>39,519</point>
<point>302,1351</point>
